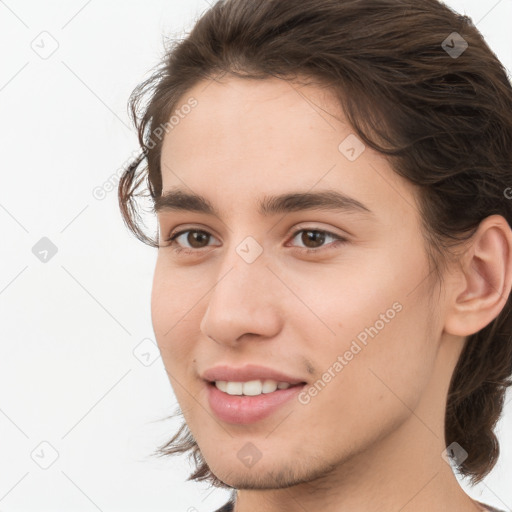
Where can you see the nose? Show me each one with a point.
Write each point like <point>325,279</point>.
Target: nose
<point>246,300</point>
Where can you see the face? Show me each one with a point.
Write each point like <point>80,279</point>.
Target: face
<point>336,298</point>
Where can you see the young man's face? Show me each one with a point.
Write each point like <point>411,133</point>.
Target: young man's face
<point>351,319</point>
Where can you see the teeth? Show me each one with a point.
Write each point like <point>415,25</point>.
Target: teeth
<point>250,388</point>
<point>234,388</point>
<point>222,385</point>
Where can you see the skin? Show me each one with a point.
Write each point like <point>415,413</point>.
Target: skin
<point>372,438</point>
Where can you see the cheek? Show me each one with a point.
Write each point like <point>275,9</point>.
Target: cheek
<point>173,327</point>
<point>175,294</point>
<point>172,315</point>
<point>381,334</point>
<point>376,387</point>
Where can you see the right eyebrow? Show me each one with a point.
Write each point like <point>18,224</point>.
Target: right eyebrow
<point>180,200</point>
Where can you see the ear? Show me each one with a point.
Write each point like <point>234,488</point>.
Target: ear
<point>482,285</point>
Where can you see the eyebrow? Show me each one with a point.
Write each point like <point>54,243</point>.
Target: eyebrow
<point>330,200</point>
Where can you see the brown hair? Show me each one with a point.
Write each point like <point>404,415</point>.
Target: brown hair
<point>444,120</point>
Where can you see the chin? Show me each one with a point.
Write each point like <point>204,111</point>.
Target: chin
<point>262,474</point>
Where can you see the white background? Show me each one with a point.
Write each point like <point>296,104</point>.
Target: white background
<point>69,327</point>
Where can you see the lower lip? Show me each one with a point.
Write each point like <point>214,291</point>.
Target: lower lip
<point>243,409</point>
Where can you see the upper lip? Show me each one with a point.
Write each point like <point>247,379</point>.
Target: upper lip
<point>247,373</point>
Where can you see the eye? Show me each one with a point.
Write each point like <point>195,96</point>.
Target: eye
<point>195,238</point>
<point>317,238</point>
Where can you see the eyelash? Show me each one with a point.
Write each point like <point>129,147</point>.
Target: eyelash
<point>338,240</point>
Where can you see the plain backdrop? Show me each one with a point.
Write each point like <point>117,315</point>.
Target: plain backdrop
<point>82,386</point>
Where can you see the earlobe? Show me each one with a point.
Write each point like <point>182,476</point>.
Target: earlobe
<point>485,279</point>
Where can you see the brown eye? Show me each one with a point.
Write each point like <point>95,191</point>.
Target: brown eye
<point>190,239</point>
<point>312,239</point>
<point>196,238</point>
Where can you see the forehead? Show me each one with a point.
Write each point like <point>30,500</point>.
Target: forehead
<point>253,121</point>
<point>251,138</point>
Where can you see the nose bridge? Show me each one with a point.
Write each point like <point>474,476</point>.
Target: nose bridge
<point>241,300</point>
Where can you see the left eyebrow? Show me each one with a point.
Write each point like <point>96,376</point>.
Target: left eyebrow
<point>331,200</point>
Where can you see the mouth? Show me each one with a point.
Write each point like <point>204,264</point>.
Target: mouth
<point>248,402</point>
<point>252,387</point>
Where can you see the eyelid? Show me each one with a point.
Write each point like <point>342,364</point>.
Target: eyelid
<point>338,239</point>
<point>184,228</point>
<point>291,234</point>
<point>308,227</point>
